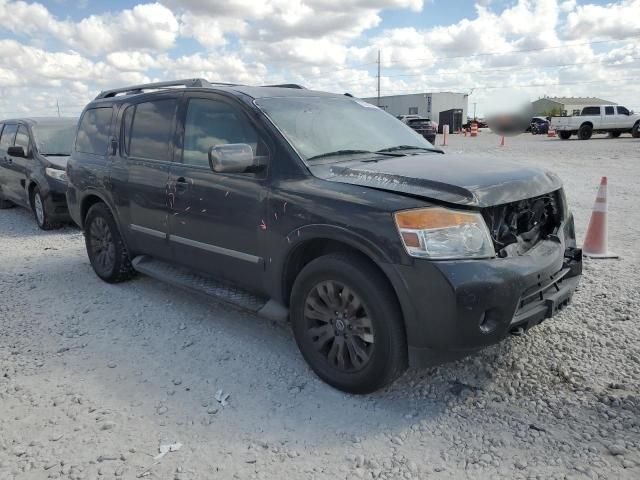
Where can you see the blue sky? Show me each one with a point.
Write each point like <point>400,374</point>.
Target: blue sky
<point>74,48</point>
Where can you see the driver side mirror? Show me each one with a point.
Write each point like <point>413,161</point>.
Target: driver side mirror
<point>16,151</point>
<point>231,158</point>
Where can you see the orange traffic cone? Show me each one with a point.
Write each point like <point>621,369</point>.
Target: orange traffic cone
<point>595,242</point>
<point>502,141</point>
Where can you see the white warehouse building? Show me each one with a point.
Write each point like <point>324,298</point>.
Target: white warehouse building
<point>435,106</point>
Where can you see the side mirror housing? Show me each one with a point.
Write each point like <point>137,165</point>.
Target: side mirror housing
<point>16,151</point>
<point>231,158</point>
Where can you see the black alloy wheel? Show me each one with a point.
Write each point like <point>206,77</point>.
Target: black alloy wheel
<point>103,247</point>
<point>348,323</point>
<point>107,252</point>
<point>339,326</point>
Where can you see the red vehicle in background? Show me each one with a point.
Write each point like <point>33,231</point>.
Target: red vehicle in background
<point>423,126</point>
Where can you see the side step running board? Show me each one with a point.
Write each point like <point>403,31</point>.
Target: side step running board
<point>197,283</point>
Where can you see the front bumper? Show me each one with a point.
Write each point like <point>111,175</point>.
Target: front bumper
<point>453,308</point>
<point>56,201</point>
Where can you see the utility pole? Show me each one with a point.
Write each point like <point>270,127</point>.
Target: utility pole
<point>58,107</point>
<point>474,110</point>
<point>378,77</point>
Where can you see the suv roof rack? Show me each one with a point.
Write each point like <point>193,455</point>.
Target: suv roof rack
<point>189,82</point>
<point>287,85</point>
<point>134,89</point>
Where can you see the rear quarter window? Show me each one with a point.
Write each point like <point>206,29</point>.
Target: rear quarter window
<point>93,132</point>
<point>590,111</point>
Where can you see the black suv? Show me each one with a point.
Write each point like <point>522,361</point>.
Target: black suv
<point>382,251</point>
<point>33,157</point>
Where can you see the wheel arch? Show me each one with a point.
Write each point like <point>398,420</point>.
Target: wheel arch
<point>590,124</point>
<point>334,241</point>
<point>90,199</point>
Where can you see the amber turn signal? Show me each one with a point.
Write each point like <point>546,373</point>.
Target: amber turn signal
<point>431,218</point>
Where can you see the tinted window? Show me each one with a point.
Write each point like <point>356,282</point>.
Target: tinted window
<point>210,123</point>
<point>93,132</point>
<point>151,129</point>
<point>608,110</point>
<point>623,111</point>
<point>6,139</point>
<point>590,111</point>
<point>22,138</point>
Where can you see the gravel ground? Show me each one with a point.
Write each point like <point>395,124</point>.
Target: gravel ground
<point>95,377</point>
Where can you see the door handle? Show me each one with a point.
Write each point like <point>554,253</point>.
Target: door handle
<point>181,184</point>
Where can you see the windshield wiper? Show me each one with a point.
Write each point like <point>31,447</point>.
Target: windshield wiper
<point>355,152</point>
<point>406,147</point>
<point>338,153</point>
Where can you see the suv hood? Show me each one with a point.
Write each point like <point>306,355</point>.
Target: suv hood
<point>461,179</point>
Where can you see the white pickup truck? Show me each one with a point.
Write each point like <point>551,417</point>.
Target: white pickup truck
<point>611,119</point>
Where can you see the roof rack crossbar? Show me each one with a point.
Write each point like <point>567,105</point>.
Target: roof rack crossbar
<point>190,82</point>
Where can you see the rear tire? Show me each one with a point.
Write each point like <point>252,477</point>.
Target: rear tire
<point>564,135</point>
<point>635,132</point>
<point>347,323</point>
<point>4,204</point>
<point>39,207</point>
<point>107,252</point>
<point>585,132</point>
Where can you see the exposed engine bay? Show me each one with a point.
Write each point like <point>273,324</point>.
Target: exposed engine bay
<point>517,227</point>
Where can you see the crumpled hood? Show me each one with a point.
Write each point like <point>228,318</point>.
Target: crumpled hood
<point>59,162</point>
<point>462,179</point>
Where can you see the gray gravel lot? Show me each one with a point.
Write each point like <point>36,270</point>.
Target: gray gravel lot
<point>94,377</point>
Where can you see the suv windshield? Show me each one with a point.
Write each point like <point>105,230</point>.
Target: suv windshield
<point>317,126</point>
<point>55,138</point>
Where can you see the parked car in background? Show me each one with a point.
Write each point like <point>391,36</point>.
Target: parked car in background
<point>612,119</point>
<point>382,251</point>
<point>539,126</point>
<point>33,158</point>
<point>424,127</point>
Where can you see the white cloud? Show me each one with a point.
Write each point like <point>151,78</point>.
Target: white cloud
<point>324,44</point>
<point>146,26</point>
<point>614,20</point>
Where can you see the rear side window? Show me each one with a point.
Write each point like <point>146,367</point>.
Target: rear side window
<point>622,111</point>
<point>8,133</point>
<point>590,111</point>
<point>608,110</point>
<point>22,138</point>
<point>149,128</point>
<point>93,132</point>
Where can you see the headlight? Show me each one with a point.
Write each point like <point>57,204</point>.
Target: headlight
<point>442,233</point>
<point>56,174</point>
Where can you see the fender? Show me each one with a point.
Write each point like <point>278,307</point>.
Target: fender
<point>337,233</point>
<point>92,192</point>
<point>284,246</point>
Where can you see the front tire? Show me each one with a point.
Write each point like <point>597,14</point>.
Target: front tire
<point>347,323</point>
<point>39,207</point>
<point>635,132</point>
<point>107,252</point>
<point>585,132</point>
<point>564,135</point>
